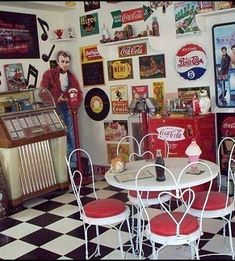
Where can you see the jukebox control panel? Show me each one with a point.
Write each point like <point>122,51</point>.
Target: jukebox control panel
<point>31,124</point>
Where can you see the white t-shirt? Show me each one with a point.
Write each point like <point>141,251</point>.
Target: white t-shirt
<point>64,82</point>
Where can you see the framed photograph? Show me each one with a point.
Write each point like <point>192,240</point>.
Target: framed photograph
<point>224,64</point>
<point>93,73</point>
<point>15,77</point>
<point>152,66</point>
<point>18,36</point>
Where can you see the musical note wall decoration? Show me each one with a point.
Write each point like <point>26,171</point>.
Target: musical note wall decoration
<point>46,57</point>
<point>32,73</point>
<point>43,24</point>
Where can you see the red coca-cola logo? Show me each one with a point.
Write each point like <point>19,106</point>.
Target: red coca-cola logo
<point>228,127</point>
<point>132,15</point>
<point>171,133</point>
<point>131,50</point>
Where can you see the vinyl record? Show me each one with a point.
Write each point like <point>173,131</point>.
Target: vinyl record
<point>97,104</point>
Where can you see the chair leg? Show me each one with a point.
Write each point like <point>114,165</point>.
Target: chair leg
<point>98,241</point>
<point>86,241</point>
<point>230,239</point>
<point>130,235</point>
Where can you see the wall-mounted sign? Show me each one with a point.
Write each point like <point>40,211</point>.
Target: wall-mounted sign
<point>191,62</point>
<point>89,24</point>
<point>89,54</point>
<point>132,50</point>
<point>130,16</point>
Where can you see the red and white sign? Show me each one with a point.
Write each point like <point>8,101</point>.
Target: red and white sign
<point>228,127</point>
<point>171,133</point>
<point>132,15</point>
<point>132,50</point>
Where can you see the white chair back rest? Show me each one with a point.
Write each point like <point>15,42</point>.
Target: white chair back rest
<point>169,176</point>
<point>140,146</point>
<point>76,176</point>
<point>222,144</point>
<point>231,172</point>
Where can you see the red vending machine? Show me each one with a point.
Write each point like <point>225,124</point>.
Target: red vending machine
<point>179,132</point>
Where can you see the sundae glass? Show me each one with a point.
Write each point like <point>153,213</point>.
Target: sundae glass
<point>193,152</point>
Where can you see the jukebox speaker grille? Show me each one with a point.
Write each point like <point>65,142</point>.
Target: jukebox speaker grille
<point>37,169</point>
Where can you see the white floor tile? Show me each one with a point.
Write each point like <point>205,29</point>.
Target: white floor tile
<point>63,244</point>
<point>27,214</point>
<point>65,210</point>
<point>34,202</point>
<point>20,230</point>
<point>15,249</point>
<point>65,198</point>
<point>212,225</point>
<point>64,225</point>
<point>110,238</point>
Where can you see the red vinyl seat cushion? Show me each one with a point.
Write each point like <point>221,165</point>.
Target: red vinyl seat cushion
<point>102,208</point>
<point>164,225</point>
<point>216,200</point>
<point>144,194</point>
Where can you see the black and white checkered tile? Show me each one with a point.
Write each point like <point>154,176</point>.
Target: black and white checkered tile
<point>48,228</point>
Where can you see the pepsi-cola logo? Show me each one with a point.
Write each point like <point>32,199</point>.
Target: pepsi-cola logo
<point>191,62</point>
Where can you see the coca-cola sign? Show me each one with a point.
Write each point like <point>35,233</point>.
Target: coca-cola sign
<point>132,50</point>
<point>228,127</point>
<point>171,133</point>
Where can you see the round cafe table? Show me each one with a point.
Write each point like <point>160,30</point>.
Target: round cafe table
<point>126,179</point>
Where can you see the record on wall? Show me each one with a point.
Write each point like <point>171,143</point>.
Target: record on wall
<point>97,104</point>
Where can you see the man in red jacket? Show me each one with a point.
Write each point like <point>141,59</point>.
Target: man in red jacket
<point>59,81</point>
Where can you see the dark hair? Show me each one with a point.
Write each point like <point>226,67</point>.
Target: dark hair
<point>233,46</point>
<point>63,53</point>
<point>224,48</point>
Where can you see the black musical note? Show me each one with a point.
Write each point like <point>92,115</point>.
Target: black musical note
<point>32,71</point>
<point>44,35</point>
<point>46,57</point>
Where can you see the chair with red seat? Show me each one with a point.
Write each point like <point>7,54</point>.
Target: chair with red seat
<point>173,227</point>
<point>149,198</point>
<point>220,203</point>
<point>99,212</point>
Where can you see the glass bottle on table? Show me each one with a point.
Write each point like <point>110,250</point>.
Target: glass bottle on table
<point>160,172</point>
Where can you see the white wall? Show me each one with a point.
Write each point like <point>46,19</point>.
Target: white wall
<point>92,132</point>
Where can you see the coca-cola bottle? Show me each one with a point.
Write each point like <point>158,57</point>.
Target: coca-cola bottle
<point>155,26</point>
<point>160,172</point>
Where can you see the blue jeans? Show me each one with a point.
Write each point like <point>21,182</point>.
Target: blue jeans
<point>66,116</point>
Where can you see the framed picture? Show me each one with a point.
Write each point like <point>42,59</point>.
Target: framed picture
<point>18,36</point>
<point>15,77</point>
<point>91,5</point>
<point>93,73</point>
<point>152,66</point>
<point>89,24</point>
<point>224,64</point>
<point>120,69</point>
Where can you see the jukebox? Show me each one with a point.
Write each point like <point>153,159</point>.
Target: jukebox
<point>32,144</point>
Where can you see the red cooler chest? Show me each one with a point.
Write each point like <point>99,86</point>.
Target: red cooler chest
<point>179,132</point>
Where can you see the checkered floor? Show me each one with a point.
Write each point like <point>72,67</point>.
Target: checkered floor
<point>48,228</point>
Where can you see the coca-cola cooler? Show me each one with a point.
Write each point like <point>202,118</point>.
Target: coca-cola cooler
<point>179,132</point>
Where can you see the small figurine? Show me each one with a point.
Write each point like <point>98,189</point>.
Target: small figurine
<point>204,102</point>
<point>196,106</point>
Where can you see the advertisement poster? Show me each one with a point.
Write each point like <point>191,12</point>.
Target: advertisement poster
<point>89,24</point>
<point>18,36</point>
<point>224,64</point>
<point>15,77</point>
<point>140,91</point>
<point>120,69</point>
<point>115,130</point>
<point>158,93</point>
<point>152,66</point>
<point>124,151</point>
<point>185,21</point>
<point>119,99</point>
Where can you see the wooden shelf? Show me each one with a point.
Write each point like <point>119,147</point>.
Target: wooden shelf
<point>106,51</point>
<point>200,18</point>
